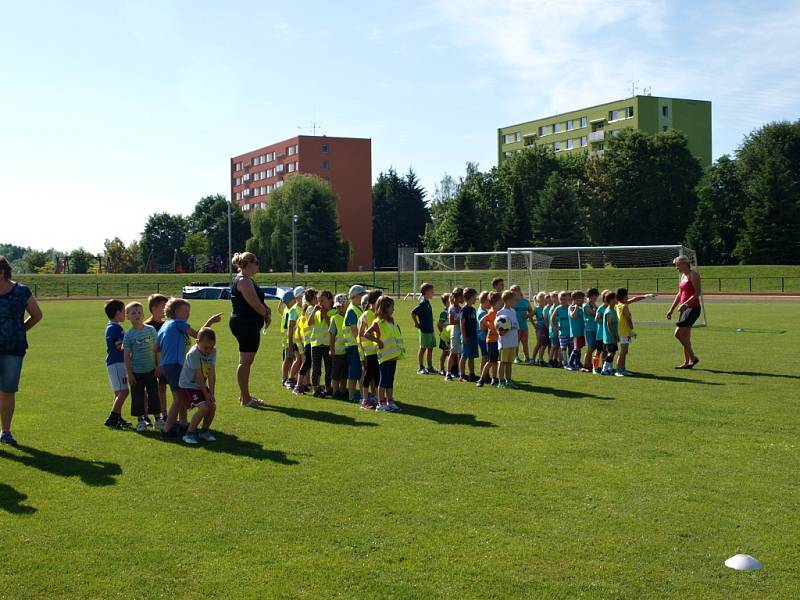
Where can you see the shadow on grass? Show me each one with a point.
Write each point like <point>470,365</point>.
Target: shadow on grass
<point>11,501</point>
<point>94,473</point>
<point>558,392</point>
<point>442,417</point>
<point>323,416</point>
<point>673,379</point>
<point>230,444</point>
<point>749,373</point>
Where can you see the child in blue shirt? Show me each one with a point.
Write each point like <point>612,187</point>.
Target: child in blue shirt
<point>115,362</point>
<point>577,329</point>
<point>422,316</point>
<point>172,341</point>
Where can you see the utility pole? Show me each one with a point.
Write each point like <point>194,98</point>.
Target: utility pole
<point>294,247</point>
<point>230,244</point>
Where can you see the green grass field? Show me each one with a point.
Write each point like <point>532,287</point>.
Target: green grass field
<point>574,486</point>
<point>779,278</point>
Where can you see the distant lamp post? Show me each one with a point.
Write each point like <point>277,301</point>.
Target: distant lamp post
<point>230,244</point>
<point>294,248</point>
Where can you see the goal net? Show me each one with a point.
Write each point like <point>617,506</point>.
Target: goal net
<point>639,269</point>
<point>446,270</point>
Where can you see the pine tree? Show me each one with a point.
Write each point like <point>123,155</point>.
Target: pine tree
<point>556,219</point>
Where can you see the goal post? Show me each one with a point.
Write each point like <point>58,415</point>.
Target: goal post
<point>446,270</point>
<point>640,269</point>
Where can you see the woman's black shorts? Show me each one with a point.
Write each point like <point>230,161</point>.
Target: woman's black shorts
<point>688,317</point>
<point>247,332</point>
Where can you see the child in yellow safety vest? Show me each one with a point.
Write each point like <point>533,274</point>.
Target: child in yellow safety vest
<point>292,339</point>
<point>371,375</point>
<point>338,352</point>
<point>385,332</point>
<point>304,327</point>
<point>319,323</point>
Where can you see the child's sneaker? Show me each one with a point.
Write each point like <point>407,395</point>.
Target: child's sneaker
<point>113,423</point>
<point>205,434</point>
<point>432,371</point>
<point>500,385</point>
<point>367,404</point>
<point>442,372</point>
<point>619,373</point>
<point>394,408</point>
<point>290,384</point>
<point>597,371</point>
<point>518,361</point>
<point>298,391</point>
<point>7,439</point>
<point>191,438</point>
<point>319,394</point>
<point>422,371</point>
<point>569,368</point>
<point>449,377</point>
<point>480,383</point>
<point>160,423</point>
<point>383,408</point>
<point>494,382</point>
<point>141,426</point>
<point>585,370</point>
<point>511,385</point>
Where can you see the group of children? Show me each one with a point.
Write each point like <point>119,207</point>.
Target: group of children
<point>565,323</point>
<point>354,338</point>
<point>347,347</point>
<point>151,356</point>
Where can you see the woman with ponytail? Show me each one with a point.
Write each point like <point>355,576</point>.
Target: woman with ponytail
<point>248,316</point>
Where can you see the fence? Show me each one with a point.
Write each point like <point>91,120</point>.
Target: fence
<point>443,282</point>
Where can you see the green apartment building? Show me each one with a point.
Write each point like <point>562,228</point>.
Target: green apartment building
<point>588,129</point>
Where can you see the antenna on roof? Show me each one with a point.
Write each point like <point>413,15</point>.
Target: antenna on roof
<point>312,126</point>
<point>634,87</point>
<point>648,91</point>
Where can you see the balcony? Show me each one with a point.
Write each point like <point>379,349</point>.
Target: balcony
<point>597,136</point>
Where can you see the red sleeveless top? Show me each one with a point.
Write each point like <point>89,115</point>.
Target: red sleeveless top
<point>687,291</point>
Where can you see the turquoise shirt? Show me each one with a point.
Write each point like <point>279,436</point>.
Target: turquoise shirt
<point>521,308</point>
<point>481,332</point>
<point>139,342</point>
<point>598,332</point>
<point>562,315</point>
<point>610,335</point>
<point>548,310</point>
<point>576,327</point>
<point>588,320</point>
<point>539,313</point>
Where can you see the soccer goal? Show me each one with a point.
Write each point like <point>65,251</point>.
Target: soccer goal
<point>640,269</point>
<point>446,270</point>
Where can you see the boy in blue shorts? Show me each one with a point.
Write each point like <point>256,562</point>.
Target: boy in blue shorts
<point>576,329</point>
<point>589,326</point>
<point>115,362</point>
<point>444,344</point>
<point>140,365</point>
<point>422,315</point>
<point>555,360</point>
<point>599,347</point>
<point>469,336</point>
<point>197,383</point>
<point>484,306</point>
<point>610,333</point>
<point>524,316</point>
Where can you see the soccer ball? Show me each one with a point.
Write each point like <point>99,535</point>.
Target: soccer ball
<point>502,324</point>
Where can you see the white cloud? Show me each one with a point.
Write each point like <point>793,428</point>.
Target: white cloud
<point>555,56</point>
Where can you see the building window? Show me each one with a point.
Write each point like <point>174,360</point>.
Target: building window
<point>238,196</point>
<point>558,127</point>
<point>556,146</point>
<point>269,188</point>
<point>245,192</point>
<point>290,151</point>
<point>278,169</point>
<point>278,184</point>
<point>518,136</point>
<point>246,177</point>
<point>584,121</point>
<point>614,132</point>
<point>326,164</point>
<point>324,148</point>
<point>255,161</point>
<point>584,141</point>
<point>665,128</point>
<point>508,138</point>
<point>544,130</point>
<point>326,178</point>
<point>570,125</point>
<point>664,111</point>
<point>238,181</point>
<point>269,172</point>
<point>506,153</point>
<point>291,167</point>
<point>570,144</point>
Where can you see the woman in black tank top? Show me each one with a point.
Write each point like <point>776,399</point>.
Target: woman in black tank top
<point>249,314</point>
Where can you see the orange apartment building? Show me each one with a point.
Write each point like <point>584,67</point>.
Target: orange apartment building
<point>346,163</point>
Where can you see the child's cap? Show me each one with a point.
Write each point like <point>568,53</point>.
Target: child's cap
<point>364,300</point>
<point>339,300</point>
<point>298,291</point>
<point>357,290</point>
<point>288,296</point>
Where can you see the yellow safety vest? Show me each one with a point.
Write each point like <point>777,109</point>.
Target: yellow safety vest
<point>307,326</point>
<point>319,329</point>
<point>284,326</point>
<point>338,347</point>
<point>367,319</point>
<point>349,339</point>
<point>392,339</point>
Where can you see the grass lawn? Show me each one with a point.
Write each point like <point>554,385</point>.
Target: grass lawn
<point>745,278</point>
<point>574,486</point>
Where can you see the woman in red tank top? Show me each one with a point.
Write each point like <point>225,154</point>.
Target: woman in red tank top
<point>687,300</point>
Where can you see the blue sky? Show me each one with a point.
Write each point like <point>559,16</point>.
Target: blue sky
<point>110,111</point>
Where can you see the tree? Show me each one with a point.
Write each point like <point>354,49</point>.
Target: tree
<point>35,260</point>
<point>196,246</point>
<point>649,195</point>
<point>119,258</point>
<point>12,252</point>
<point>318,234</point>
<point>79,261</point>
<point>556,219</point>
<point>714,232</point>
<point>769,167</point>
<point>399,215</point>
<point>163,234</point>
<point>210,217</point>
